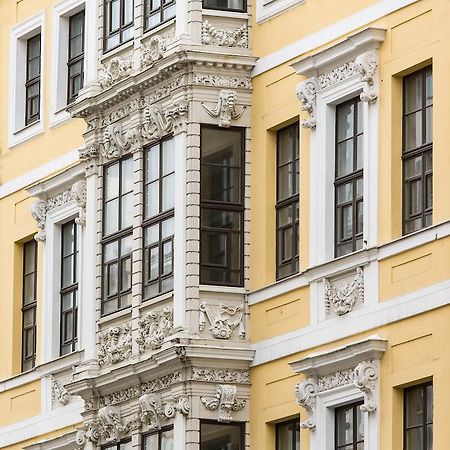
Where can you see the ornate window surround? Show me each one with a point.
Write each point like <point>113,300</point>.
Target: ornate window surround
<point>338,377</point>
<point>333,76</point>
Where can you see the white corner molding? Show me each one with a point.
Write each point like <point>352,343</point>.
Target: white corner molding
<point>17,131</point>
<point>337,377</point>
<point>64,442</point>
<point>267,9</point>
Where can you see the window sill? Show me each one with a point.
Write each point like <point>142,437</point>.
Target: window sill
<point>116,50</point>
<point>59,117</point>
<point>160,27</point>
<point>154,300</point>
<point>223,13</point>
<point>115,315</point>
<point>26,133</point>
<point>222,289</point>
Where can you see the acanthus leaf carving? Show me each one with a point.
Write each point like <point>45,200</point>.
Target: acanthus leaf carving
<point>59,392</point>
<point>225,401</point>
<point>154,411</point>
<point>224,38</point>
<point>117,69</point>
<point>225,108</point>
<point>115,345</point>
<point>306,392</point>
<point>307,93</point>
<point>365,376</point>
<point>153,52</point>
<point>88,433</point>
<point>344,298</point>
<point>223,320</point>
<point>221,375</point>
<point>110,423</point>
<point>90,155</point>
<point>336,75</point>
<point>154,328</point>
<point>366,66</point>
<point>208,79</point>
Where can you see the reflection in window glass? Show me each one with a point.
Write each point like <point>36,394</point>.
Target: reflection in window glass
<point>214,436</point>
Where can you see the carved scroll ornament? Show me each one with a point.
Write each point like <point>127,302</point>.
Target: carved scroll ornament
<point>225,401</point>
<point>366,66</point>
<point>154,411</point>
<point>306,392</point>
<point>223,319</point>
<point>307,93</point>
<point>153,52</point>
<point>117,69</point>
<point>225,108</point>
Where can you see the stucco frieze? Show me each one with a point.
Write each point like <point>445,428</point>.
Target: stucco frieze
<point>225,109</point>
<point>153,328</point>
<point>336,75</point>
<point>225,401</point>
<point>223,320</point>
<point>221,375</point>
<point>212,35</point>
<point>208,79</point>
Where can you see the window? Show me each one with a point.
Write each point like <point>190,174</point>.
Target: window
<point>215,436</point>
<point>348,180</point>
<point>118,22</point>
<point>418,417</point>
<point>228,5</point>
<point>117,231</point>
<point>75,62</point>
<point>159,218</point>
<point>417,150</point>
<point>126,445</point>
<point>159,440</point>
<point>29,303</point>
<point>69,288</point>
<point>33,80</point>
<point>349,427</point>
<point>158,11</point>
<point>288,435</point>
<point>222,206</point>
<point>287,201</point>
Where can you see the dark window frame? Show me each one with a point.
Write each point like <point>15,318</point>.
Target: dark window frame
<point>32,306</point>
<point>157,219</point>
<point>158,432</point>
<point>425,423</point>
<point>31,82</point>
<point>408,154</point>
<point>284,203</point>
<point>161,9</point>
<point>218,8</point>
<point>115,444</point>
<point>116,236</point>
<point>108,33</point>
<point>76,59</point>
<point>355,406</point>
<point>295,422</point>
<point>214,422</point>
<point>353,177</point>
<point>234,207</point>
<point>71,289</point>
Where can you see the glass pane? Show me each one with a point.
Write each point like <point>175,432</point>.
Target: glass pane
<point>413,225</point>
<point>68,327</point>
<point>429,437</point>
<point>430,403</point>
<point>152,206</point>
<point>344,425</point>
<point>152,163</point>
<point>287,243</point>
<point>214,248</point>
<point>286,178</point>
<point>429,87</point>
<point>413,167</point>
<point>154,263</point>
<point>220,436</point>
<point>167,440</point>
<point>345,193</point>
<point>413,130</point>
<point>168,148</point>
<point>29,251</point>
<point>414,439</point>
<point>167,258</point>
<point>167,284</point>
<point>126,245</point>
<point>110,251</point>
<point>111,216</point>
<point>360,117</point>
<point>112,181</point>
<point>151,290</point>
<point>215,218</point>
<point>345,121</point>
<point>359,217</point>
<point>115,14</point>
<point>347,222</point>
<point>127,211</point>
<point>360,152</point>
<point>413,93</point>
<point>66,302</point>
<point>76,24</point>
<point>28,289</point>
<point>287,142</point>
<point>168,193</point>
<point>151,235</point>
<point>76,47</point>
<point>415,197</point>
<point>414,406</point>
<point>127,176</point>
<point>125,300</point>
<point>68,272</point>
<point>29,343</point>
<point>287,215</point>
<point>169,12</point>
<point>429,125</point>
<point>28,318</point>
<point>344,158</point>
<point>34,68</point>
<point>168,228</point>
<point>220,183</point>
<point>359,424</point>
<point>128,13</point>
<point>34,47</point>
<point>68,232</point>
<point>112,279</point>
<point>151,442</point>
<point>113,41</point>
<point>126,274</point>
<point>127,34</point>
<point>429,191</point>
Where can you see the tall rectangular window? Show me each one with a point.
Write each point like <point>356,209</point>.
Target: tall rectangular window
<point>349,177</point>
<point>29,305</point>
<point>75,61</point>
<point>158,11</point>
<point>287,206</point>
<point>159,218</point>
<point>215,436</point>
<point>417,150</point>
<point>117,235</point>
<point>159,440</point>
<point>222,206</point>
<point>225,5</point>
<point>349,427</point>
<point>33,80</point>
<point>288,435</point>
<point>418,417</point>
<point>119,22</point>
<point>69,288</point>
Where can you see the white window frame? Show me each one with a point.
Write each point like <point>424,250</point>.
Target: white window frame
<point>266,9</point>
<point>60,38</point>
<point>18,132</point>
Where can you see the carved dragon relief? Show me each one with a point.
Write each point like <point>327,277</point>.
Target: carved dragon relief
<point>223,320</point>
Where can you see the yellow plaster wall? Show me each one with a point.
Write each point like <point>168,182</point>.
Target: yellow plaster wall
<point>417,351</point>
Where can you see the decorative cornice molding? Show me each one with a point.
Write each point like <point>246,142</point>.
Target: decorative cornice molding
<point>224,38</point>
<point>336,75</point>
<point>225,401</point>
<point>307,93</point>
<point>225,108</point>
<point>221,375</point>
<point>117,69</point>
<point>59,392</point>
<point>115,345</point>
<point>154,327</point>
<point>208,79</point>
<point>342,299</point>
<point>223,320</point>
<point>153,52</point>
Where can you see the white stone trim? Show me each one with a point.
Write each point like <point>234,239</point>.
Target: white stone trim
<point>374,316</point>
<point>60,48</point>
<point>266,9</point>
<point>64,442</point>
<point>17,131</point>
<point>328,34</point>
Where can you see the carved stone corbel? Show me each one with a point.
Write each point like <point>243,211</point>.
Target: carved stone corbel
<point>223,320</point>
<point>366,66</point>
<point>225,108</point>
<point>225,401</point>
<point>90,155</point>
<point>79,194</point>
<point>154,411</point>
<point>59,392</point>
<point>149,128</point>
<point>39,214</point>
<point>307,93</point>
<point>153,52</point>
<point>89,433</point>
<point>110,423</point>
<point>306,392</point>
<point>365,376</point>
